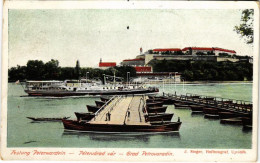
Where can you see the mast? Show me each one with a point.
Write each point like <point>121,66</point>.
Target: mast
<point>114,78</point>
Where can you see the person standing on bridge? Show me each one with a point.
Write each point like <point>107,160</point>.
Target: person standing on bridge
<point>109,116</point>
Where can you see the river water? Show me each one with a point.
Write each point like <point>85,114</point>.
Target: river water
<point>195,132</point>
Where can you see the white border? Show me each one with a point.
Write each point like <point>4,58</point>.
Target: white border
<point>178,153</point>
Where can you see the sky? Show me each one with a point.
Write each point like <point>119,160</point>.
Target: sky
<point>87,35</point>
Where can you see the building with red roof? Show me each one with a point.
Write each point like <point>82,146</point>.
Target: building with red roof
<point>165,50</point>
<point>133,62</point>
<point>206,50</point>
<point>105,65</point>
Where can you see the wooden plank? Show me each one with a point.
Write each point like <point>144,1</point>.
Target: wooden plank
<point>136,116</point>
<point>119,108</point>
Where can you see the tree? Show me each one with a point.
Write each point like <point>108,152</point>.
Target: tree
<point>77,70</point>
<point>52,70</point>
<point>34,70</point>
<point>245,29</point>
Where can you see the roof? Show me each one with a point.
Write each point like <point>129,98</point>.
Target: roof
<point>225,50</point>
<point>143,69</point>
<point>107,64</point>
<point>168,49</point>
<point>136,59</point>
<point>208,49</point>
<point>197,48</point>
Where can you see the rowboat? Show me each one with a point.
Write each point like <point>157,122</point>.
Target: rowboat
<point>212,111</point>
<point>160,109</point>
<point>119,128</point>
<point>100,103</point>
<point>158,104</point>
<point>92,108</point>
<point>84,116</point>
<point>196,108</point>
<point>165,101</point>
<point>160,116</point>
<point>47,119</point>
<point>104,99</point>
<point>181,105</point>
<point>226,115</point>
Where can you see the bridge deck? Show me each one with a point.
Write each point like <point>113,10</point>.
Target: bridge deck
<point>123,110</point>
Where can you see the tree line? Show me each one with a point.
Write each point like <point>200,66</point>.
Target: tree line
<point>38,70</point>
<point>190,70</point>
<point>206,70</point>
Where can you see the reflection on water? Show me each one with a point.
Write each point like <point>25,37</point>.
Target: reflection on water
<point>102,136</point>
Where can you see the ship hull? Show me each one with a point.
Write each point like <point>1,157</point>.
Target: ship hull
<point>84,93</point>
<point>82,126</point>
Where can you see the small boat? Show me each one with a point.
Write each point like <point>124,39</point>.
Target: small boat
<point>196,108</point>
<point>159,109</point>
<point>181,105</point>
<point>104,99</point>
<point>211,116</point>
<point>160,116</point>
<point>119,128</point>
<point>100,103</point>
<point>159,122</point>
<point>165,101</point>
<point>233,121</point>
<point>84,116</point>
<point>92,108</point>
<point>226,115</point>
<point>48,119</point>
<point>158,104</point>
<point>247,122</point>
<point>209,98</point>
<point>211,111</point>
<point>195,96</point>
<point>227,102</point>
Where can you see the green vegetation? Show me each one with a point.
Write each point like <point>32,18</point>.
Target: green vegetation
<point>38,70</point>
<point>206,70</point>
<point>245,29</point>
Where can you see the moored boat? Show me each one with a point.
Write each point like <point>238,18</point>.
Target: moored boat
<point>92,108</point>
<point>160,109</point>
<point>226,115</point>
<point>196,108</point>
<point>181,105</point>
<point>155,104</point>
<point>104,99</point>
<point>100,103</point>
<point>164,100</point>
<point>233,121</point>
<point>247,122</point>
<point>84,116</point>
<point>47,119</point>
<point>160,116</point>
<point>94,127</point>
<point>211,111</point>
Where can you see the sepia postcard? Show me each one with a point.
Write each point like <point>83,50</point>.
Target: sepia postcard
<point>130,81</point>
